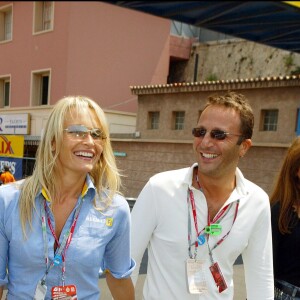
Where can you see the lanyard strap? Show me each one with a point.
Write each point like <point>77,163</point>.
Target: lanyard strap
<point>192,201</point>
<point>226,235</point>
<point>62,248</point>
<point>50,225</point>
<point>217,219</point>
<point>190,196</point>
<point>44,230</point>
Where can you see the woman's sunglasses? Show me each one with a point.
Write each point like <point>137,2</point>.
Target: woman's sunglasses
<point>81,131</point>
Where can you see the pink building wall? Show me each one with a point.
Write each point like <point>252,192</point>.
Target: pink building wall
<point>95,49</point>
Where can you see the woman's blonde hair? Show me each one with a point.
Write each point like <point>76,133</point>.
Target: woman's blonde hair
<point>105,174</point>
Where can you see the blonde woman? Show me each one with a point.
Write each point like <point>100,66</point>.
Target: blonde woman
<point>66,222</point>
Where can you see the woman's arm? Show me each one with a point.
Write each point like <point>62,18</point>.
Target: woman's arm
<point>121,289</point>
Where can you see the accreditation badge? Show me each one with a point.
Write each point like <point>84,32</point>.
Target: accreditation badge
<point>218,277</point>
<point>67,292</point>
<point>196,276</point>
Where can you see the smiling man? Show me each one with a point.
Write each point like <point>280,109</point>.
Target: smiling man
<point>196,221</point>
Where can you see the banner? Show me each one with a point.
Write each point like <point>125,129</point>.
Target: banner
<point>15,165</point>
<point>14,124</point>
<point>11,145</point>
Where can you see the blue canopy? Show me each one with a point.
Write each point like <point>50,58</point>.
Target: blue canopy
<point>273,23</point>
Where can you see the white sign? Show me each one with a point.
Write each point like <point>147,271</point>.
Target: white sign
<point>14,124</point>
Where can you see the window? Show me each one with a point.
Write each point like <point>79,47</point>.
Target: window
<point>178,117</point>
<point>153,120</point>
<point>43,16</point>
<point>40,88</point>
<point>44,89</point>
<point>6,23</point>
<point>46,15</point>
<point>176,70</point>
<point>269,120</point>
<point>4,91</point>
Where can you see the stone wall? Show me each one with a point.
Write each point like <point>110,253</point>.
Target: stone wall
<point>277,93</point>
<point>144,159</point>
<point>258,71</point>
<point>237,58</point>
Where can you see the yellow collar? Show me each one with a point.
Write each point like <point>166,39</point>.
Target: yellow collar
<point>83,192</point>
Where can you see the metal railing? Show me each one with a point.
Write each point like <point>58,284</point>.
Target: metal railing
<point>131,202</point>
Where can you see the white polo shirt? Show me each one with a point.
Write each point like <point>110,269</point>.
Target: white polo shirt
<point>160,222</point>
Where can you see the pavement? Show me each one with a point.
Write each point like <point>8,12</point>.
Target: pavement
<point>238,279</point>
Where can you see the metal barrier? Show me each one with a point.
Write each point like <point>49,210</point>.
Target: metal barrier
<point>131,202</point>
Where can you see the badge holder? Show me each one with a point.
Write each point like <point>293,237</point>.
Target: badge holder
<point>218,277</point>
<point>196,276</point>
<point>40,291</point>
<point>201,239</point>
<point>67,292</point>
<point>213,229</point>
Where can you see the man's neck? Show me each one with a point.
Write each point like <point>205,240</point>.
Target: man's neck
<point>216,190</point>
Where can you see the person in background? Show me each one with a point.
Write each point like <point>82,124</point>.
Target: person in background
<point>0,177</point>
<point>285,214</point>
<point>67,221</point>
<point>6,176</point>
<point>196,221</point>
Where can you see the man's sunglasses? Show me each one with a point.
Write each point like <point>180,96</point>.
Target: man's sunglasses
<point>214,134</point>
<point>81,131</point>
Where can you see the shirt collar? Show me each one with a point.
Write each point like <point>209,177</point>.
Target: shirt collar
<point>88,185</point>
<point>188,179</point>
<point>241,186</point>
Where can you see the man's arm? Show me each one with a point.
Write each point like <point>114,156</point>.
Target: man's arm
<point>121,289</point>
<point>143,223</point>
<point>1,291</point>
